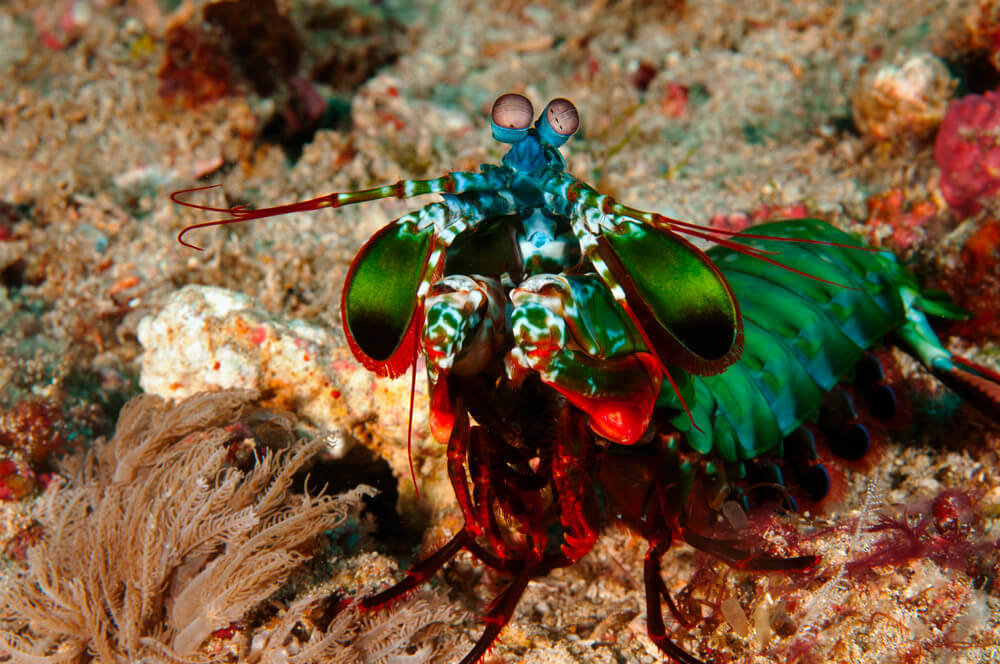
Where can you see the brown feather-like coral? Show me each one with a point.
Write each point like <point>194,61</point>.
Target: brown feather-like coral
<point>154,540</point>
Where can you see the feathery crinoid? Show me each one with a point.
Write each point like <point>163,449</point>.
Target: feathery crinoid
<point>156,539</point>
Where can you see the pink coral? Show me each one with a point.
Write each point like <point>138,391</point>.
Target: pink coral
<point>967,151</point>
<point>674,103</point>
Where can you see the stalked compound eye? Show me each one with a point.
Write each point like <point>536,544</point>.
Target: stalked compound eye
<point>559,121</point>
<point>511,117</point>
<point>513,111</point>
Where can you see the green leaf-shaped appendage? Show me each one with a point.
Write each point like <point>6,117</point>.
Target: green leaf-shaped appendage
<point>677,295</point>
<point>379,305</point>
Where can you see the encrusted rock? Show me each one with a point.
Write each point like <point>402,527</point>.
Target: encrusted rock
<point>903,100</point>
<point>209,338</point>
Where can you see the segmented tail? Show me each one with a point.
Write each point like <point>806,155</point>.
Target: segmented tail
<point>975,383</point>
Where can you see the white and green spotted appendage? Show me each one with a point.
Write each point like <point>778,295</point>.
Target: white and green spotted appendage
<point>463,325</point>
<point>587,224</point>
<point>452,217</point>
<point>489,180</point>
<point>540,334</point>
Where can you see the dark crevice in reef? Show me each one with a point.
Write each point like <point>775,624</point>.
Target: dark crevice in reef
<point>975,73</point>
<point>295,128</point>
<point>363,466</point>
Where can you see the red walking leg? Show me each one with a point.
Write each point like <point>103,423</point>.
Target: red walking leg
<point>482,491</point>
<point>499,613</point>
<point>573,456</point>
<point>420,572</point>
<point>458,451</point>
<point>742,559</point>
<point>654,612</point>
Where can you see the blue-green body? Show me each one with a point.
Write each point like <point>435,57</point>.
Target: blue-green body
<point>802,336</point>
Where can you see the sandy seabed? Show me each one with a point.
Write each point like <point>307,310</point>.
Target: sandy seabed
<point>724,111</point>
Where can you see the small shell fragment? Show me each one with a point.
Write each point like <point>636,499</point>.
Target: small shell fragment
<point>734,514</point>
<point>735,616</point>
<point>762,620</point>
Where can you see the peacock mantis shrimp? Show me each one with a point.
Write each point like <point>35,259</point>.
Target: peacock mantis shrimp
<point>587,363</point>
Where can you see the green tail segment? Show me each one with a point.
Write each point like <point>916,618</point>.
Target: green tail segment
<point>803,336</point>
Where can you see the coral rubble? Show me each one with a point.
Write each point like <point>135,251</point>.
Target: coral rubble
<point>904,100</point>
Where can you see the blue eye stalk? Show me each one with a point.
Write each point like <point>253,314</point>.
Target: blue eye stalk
<point>533,149</point>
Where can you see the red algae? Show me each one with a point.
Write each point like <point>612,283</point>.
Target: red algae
<point>904,217</point>
<point>945,529</point>
<point>30,434</point>
<point>196,69</point>
<point>981,252</point>
<point>967,151</point>
<point>976,286</point>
